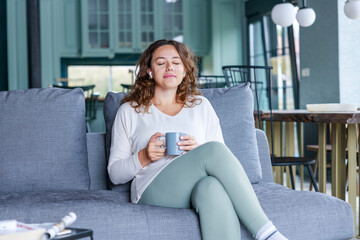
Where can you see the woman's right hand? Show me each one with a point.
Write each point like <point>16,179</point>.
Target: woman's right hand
<point>153,151</point>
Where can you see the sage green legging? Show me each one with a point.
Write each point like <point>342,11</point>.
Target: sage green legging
<point>212,180</point>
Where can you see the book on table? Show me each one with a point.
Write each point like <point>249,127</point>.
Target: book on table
<point>27,231</point>
<point>12,229</point>
<point>22,231</point>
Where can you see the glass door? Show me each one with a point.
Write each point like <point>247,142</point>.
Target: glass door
<point>272,45</point>
<point>258,58</point>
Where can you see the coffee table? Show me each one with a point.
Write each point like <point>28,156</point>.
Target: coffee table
<point>76,233</point>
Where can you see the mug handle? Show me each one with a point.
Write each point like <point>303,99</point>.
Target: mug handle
<point>163,138</point>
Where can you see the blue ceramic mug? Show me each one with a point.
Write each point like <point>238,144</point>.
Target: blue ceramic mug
<point>170,143</point>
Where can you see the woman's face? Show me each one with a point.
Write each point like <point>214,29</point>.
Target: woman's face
<point>167,68</point>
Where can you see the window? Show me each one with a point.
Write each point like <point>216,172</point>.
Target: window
<point>105,78</point>
<point>272,45</point>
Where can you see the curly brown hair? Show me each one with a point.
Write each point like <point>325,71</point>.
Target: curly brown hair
<point>143,90</point>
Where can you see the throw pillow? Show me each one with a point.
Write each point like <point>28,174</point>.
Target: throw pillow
<point>235,109</point>
<point>43,140</point>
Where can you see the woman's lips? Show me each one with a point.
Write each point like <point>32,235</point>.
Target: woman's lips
<point>169,76</point>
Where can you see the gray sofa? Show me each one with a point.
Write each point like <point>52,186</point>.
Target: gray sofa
<point>49,166</point>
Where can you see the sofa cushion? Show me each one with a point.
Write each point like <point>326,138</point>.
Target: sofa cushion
<point>235,109</point>
<point>108,213</point>
<point>298,215</point>
<point>264,156</point>
<point>305,215</point>
<point>43,140</point>
<point>97,161</point>
<point>111,106</point>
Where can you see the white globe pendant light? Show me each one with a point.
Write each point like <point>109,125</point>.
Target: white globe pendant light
<point>283,14</point>
<point>352,9</point>
<point>306,16</point>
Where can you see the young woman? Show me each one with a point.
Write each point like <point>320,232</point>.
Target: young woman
<point>208,177</point>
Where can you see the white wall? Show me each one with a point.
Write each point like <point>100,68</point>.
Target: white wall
<point>349,57</point>
<point>331,50</point>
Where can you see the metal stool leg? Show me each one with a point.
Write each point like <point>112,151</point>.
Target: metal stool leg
<point>313,180</point>
<point>292,178</point>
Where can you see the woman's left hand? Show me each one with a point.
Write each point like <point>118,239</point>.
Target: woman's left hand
<point>187,143</point>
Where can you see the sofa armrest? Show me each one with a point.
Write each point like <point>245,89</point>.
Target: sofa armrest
<point>264,156</point>
<point>97,160</point>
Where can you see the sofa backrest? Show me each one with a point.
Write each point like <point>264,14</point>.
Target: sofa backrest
<point>264,156</point>
<point>111,106</point>
<point>43,140</point>
<point>97,161</point>
<point>234,107</point>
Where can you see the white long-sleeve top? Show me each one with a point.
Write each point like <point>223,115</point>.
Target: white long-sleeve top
<point>132,131</point>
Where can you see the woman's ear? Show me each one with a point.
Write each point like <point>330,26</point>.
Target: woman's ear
<point>149,72</point>
<point>184,74</point>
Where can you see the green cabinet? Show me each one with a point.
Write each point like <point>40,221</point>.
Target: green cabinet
<point>97,28</point>
<point>148,23</point>
<point>125,25</point>
<point>68,27</point>
<point>197,24</point>
<point>135,23</point>
<point>129,26</point>
<point>172,20</point>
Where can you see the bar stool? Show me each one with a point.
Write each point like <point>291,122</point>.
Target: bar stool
<point>315,148</point>
<point>297,161</point>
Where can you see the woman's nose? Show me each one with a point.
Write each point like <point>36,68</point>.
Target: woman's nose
<point>169,67</point>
